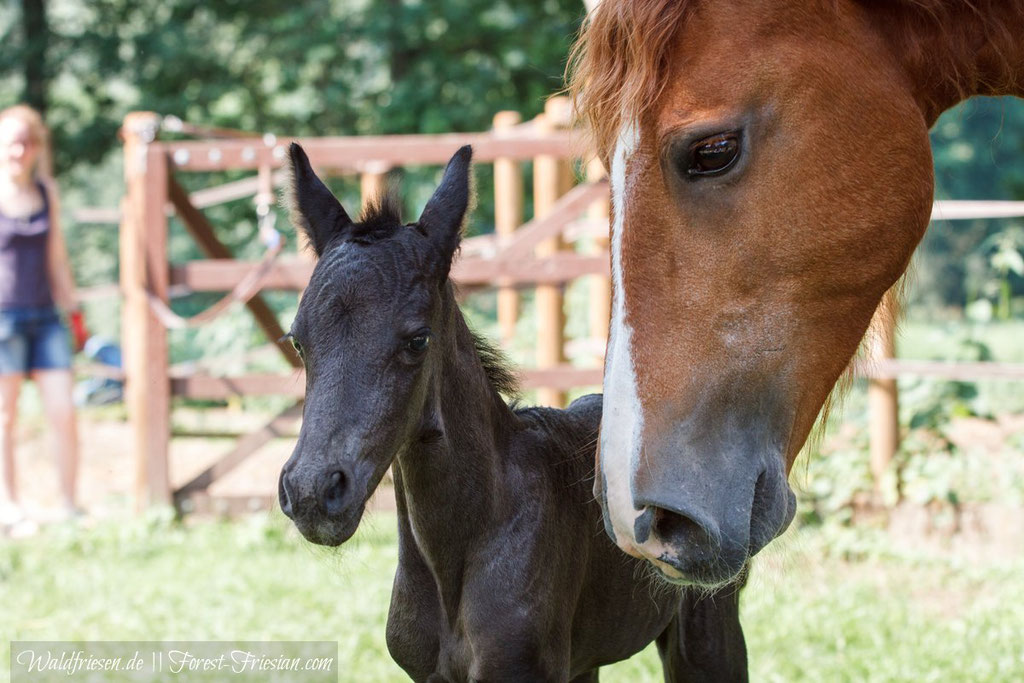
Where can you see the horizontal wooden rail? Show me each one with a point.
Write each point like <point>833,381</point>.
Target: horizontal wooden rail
<point>569,377</point>
<point>555,269</point>
<point>354,152</point>
<point>212,388</point>
<point>562,378</point>
<point>236,189</point>
<point>200,199</point>
<point>209,387</point>
<point>226,505</point>
<point>553,223</point>
<point>969,209</point>
<point>942,210</point>
<point>97,214</point>
<point>950,370</point>
<point>221,275</point>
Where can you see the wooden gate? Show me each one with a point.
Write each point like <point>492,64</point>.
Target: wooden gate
<point>542,254</point>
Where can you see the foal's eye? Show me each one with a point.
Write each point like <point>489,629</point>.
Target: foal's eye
<point>296,345</point>
<point>419,343</point>
<point>713,156</point>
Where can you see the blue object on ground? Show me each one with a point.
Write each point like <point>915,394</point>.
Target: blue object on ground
<point>100,390</point>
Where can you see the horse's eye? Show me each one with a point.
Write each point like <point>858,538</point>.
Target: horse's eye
<point>419,343</point>
<point>713,156</point>
<point>297,346</point>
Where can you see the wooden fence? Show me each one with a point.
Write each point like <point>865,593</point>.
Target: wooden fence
<point>544,254</point>
<point>882,368</point>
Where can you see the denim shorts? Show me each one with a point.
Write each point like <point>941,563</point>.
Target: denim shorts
<point>33,339</point>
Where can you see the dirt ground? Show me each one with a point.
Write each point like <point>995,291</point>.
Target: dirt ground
<point>107,471</point>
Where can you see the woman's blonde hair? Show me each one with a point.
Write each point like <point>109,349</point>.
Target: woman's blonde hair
<point>40,135</point>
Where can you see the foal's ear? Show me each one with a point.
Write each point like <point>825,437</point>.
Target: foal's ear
<point>314,209</point>
<point>445,213</point>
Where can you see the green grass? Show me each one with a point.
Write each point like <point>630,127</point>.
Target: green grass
<point>824,604</point>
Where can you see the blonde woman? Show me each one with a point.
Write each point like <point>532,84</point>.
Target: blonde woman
<point>36,288</point>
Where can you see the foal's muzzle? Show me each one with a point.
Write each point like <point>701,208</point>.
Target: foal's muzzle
<point>321,502</point>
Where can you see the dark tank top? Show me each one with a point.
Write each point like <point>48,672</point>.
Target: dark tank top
<point>24,275</point>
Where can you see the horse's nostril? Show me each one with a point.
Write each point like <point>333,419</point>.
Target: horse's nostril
<point>282,495</point>
<point>334,493</point>
<point>684,533</point>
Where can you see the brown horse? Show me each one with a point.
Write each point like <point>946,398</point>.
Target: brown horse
<point>771,175</point>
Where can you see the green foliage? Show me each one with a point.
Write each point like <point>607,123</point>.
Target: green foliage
<point>932,403</point>
<point>350,67</point>
<point>999,263</point>
<point>930,468</point>
<point>934,465</point>
<point>978,149</point>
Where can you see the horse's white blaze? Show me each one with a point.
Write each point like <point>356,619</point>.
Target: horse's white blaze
<point>623,417</point>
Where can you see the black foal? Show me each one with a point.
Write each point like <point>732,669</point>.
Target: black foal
<point>504,573</point>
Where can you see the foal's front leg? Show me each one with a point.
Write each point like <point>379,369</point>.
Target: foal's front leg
<point>705,640</point>
<point>414,618</point>
<point>517,665</point>
<point>503,650</point>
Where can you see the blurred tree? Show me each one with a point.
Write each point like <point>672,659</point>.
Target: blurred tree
<point>37,38</point>
<point>318,67</point>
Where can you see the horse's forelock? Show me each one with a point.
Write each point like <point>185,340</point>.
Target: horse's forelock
<point>619,64</point>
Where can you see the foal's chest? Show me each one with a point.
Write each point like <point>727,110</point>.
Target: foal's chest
<point>419,639</point>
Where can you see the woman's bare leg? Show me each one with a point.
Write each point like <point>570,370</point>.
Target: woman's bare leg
<point>10,386</point>
<point>55,388</point>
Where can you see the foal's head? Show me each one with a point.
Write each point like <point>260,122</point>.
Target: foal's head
<point>366,329</point>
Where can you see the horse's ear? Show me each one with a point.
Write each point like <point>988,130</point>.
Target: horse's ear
<point>445,213</point>
<point>314,209</point>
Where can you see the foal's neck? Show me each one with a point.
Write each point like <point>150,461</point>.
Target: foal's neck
<point>466,430</point>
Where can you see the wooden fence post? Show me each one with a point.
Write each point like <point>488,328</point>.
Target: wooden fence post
<point>883,397</point>
<point>552,177</point>
<point>600,286</point>
<point>508,215</point>
<point>144,270</point>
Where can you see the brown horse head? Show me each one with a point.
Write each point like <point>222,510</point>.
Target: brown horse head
<point>771,175</point>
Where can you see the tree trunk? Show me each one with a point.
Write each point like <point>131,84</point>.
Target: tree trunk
<point>37,38</point>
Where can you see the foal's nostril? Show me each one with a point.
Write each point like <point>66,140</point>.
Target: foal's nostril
<point>334,493</point>
<point>282,495</point>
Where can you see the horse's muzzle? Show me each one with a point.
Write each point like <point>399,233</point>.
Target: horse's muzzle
<point>698,520</point>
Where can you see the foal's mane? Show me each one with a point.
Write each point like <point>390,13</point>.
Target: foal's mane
<point>380,218</point>
<point>497,367</point>
<point>618,66</point>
